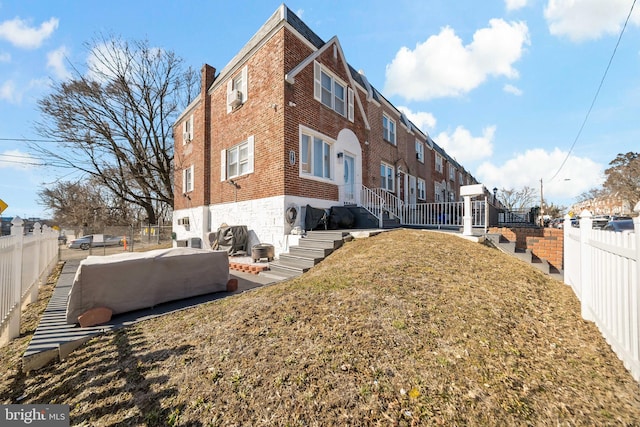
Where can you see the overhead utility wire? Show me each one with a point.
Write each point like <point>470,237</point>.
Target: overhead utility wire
<point>584,122</point>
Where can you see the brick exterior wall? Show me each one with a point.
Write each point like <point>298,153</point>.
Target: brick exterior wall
<point>545,243</point>
<point>273,114</point>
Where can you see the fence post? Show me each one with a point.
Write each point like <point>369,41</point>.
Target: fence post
<point>586,285</point>
<point>17,229</point>
<point>635,295</point>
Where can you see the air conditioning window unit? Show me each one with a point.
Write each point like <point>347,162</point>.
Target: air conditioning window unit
<point>183,221</point>
<point>186,136</point>
<point>234,98</point>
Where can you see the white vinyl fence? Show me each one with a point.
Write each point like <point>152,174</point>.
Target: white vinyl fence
<point>603,268</point>
<point>24,261</point>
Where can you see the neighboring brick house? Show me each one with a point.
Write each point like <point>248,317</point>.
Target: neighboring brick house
<point>289,123</point>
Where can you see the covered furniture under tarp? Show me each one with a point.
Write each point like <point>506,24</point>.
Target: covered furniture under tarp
<point>338,217</point>
<point>230,238</point>
<point>315,219</point>
<point>135,280</point>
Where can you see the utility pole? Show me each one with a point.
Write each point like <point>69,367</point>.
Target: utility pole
<point>541,205</point>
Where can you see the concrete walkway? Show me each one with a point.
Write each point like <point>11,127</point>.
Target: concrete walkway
<point>54,339</point>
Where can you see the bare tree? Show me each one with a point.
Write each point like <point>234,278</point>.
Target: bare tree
<point>623,177</point>
<point>518,200</point>
<point>591,194</point>
<point>86,203</point>
<point>114,121</point>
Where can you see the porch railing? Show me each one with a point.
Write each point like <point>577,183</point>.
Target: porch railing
<point>440,214</point>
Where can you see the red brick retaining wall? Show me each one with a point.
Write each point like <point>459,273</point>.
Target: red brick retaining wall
<point>545,243</point>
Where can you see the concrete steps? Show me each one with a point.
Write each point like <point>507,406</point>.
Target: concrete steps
<point>498,241</point>
<point>311,250</point>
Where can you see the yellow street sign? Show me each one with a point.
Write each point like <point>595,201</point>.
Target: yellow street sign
<point>3,205</point>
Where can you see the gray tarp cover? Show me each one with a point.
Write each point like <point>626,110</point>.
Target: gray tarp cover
<point>134,280</point>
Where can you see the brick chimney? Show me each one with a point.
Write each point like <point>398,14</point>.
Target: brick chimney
<point>208,75</point>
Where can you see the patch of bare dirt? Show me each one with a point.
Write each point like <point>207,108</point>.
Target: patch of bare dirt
<point>405,328</point>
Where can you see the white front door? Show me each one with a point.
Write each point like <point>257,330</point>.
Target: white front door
<point>349,179</point>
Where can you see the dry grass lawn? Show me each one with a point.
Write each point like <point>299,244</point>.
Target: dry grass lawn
<point>405,328</point>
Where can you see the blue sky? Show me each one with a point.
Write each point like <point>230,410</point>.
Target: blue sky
<point>503,85</point>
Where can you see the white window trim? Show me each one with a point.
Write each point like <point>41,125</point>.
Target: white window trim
<point>188,185</point>
<point>187,130</point>
<point>244,89</point>
<point>393,177</point>
<point>224,173</point>
<point>395,129</point>
<point>420,151</point>
<point>452,173</point>
<point>318,69</point>
<point>309,175</point>
<point>422,189</point>
<point>439,163</point>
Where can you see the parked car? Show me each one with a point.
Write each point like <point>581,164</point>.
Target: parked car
<point>619,225</point>
<point>96,240</point>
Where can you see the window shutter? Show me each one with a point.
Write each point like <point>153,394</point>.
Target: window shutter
<point>229,89</point>
<point>184,130</point>
<point>350,96</point>
<point>316,80</point>
<point>184,180</point>
<point>193,177</point>
<point>244,85</point>
<point>250,151</point>
<point>223,165</point>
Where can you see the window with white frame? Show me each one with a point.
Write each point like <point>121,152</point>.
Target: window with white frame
<point>237,160</point>
<point>331,91</point>
<point>237,87</point>
<point>439,162</point>
<point>420,151</point>
<point>460,178</point>
<point>315,155</point>
<point>187,179</point>
<point>452,173</point>
<point>187,130</point>
<point>389,129</point>
<point>387,174</point>
<point>437,191</point>
<point>422,189</point>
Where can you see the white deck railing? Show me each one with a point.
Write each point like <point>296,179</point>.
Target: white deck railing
<point>603,268</point>
<point>441,214</point>
<point>24,261</point>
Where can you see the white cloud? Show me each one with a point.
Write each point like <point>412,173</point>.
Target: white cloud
<point>424,121</point>
<point>443,67</point>
<point>16,159</point>
<point>9,93</point>
<point>299,13</point>
<point>56,61</point>
<point>578,175</point>
<point>512,90</point>
<point>466,148</point>
<point>20,34</point>
<point>5,57</point>
<point>515,4</point>
<point>581,20</point>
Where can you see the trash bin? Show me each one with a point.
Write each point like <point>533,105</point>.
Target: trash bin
<point>262,250</point>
